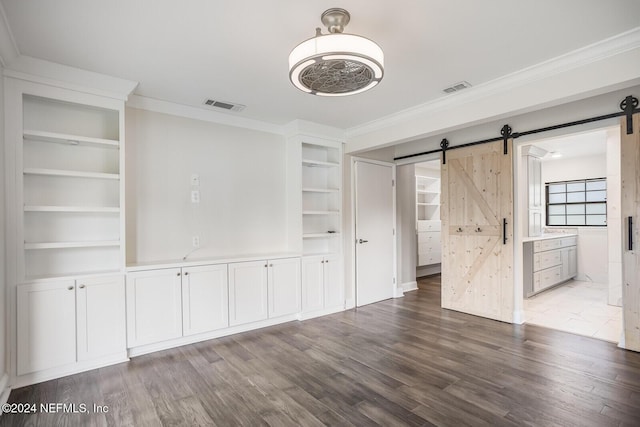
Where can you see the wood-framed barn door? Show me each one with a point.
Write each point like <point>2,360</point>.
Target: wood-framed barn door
<point>630,212</point>
<point>477,230</point>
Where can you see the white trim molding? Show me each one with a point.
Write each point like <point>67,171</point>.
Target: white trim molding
<point>5,390</point>
<point>409,286</point>
<point>8,47</point>
<point>207,115</point>
<point>575,75</point>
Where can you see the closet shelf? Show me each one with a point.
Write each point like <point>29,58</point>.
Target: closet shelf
<point>319,164</point>
<point>67,245</point>
<point>318,235</point>
<point>62,138</point>
<point>427,192</point>
<point>70,173</point>
<point>320,190</point>
<point>88,209</point>
<point>427,204</point>
<point>320,212</point>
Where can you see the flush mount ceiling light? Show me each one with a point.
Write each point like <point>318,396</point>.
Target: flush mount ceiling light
<point>336,64</point>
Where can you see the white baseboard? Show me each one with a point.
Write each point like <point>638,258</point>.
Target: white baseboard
<point>518,317</point>
<point>398,292</point>
<point>349,304</point>
<point>5,390</point>
<point>319,313</point>
<point>409,286</point>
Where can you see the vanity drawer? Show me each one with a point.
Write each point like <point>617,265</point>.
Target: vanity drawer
<point>429,258</point>
<point>546,278</point>
<point>547,245</point>
<point>424,248</point>
<point>547,259</point>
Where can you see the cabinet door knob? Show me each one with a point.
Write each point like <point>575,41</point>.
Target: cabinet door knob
<point>186,273</point>
<point>322,261</point>
<point>81,286</point>
<point>70,288</point>
<point>178,274</point>
<point>327,261</point>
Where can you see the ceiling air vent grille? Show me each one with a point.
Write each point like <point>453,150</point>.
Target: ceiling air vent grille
<point>224,105</point>
<point>457,87</point>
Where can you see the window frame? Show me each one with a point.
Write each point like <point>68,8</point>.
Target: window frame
<point>585,202</point>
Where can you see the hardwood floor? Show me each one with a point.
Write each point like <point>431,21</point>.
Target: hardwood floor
<point>399,362</point>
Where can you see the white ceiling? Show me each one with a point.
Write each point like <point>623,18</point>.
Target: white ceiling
<point>237,50</point>
<point>576,145</point>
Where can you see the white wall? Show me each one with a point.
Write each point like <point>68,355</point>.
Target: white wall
<point>614,218</point>
<point>406,225</point>
<point>593,259</point>
<point>3,276</point>
<point>243,207</point>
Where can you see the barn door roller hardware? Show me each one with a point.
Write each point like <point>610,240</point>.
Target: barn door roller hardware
<point>629,107</point>
<point>444,144</point>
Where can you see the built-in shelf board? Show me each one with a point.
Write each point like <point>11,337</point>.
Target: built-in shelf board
<point>320,190</point>
<point>318,235</point>
<point>61,138</point>
<point>318,254</point>
<point>319,164</point>
<point>427,204</point>
<point>73,275</point>
<point>68,245</point>
<point>427,192</point>
<point>70,173</point>
<point>430,178</point>
<point>320,212</point>
<point>79,209</point>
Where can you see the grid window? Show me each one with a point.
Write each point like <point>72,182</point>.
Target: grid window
<point>580,202</point>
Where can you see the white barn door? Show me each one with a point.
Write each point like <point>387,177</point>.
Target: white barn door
<point>477,231</point>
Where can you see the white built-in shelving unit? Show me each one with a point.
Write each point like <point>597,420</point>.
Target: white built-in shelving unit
<point>428,220</point>
<point>321,198</point>
<point>65,230</point>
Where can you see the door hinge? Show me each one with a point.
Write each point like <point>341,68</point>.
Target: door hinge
<point>393,182</point>
<point>394,280</point>
<point>394,231</point>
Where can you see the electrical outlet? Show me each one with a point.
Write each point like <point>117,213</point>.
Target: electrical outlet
<point>195,241</point>
<point>195,180</point>
<point>195,196</point>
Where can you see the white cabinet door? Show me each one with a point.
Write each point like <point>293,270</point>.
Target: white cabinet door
<point>312,283</point>
<point>284,287</point>
<point>333,289</point>
<point>101,322</point>
<point>154,306</point>
<point>205,299</point>
<point>247,292</point>
<point>46,315</point>
<point>572,255</point>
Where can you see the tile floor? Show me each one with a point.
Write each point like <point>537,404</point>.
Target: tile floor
<point>577,307</point>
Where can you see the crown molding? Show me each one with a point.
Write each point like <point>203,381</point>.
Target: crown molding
<point>595,52</point>
<point>189,112</point>
<point>53,74</point>
<point>8,48</point>
<point>316,130</point>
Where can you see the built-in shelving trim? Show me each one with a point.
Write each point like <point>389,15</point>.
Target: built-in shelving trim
<point>318,235</point>
<point>320,190</point>
<point>70,173</point>
<point>74,275</point>
<point>61,138</point>
<point>79,209</point>
<point>69,245</point>
<point>319,164</point>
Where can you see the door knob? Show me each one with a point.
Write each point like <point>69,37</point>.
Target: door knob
<point>362,241</point>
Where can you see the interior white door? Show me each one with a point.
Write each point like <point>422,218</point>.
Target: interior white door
<point>374,232</point>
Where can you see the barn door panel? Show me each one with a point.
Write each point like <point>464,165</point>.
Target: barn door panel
<point>477,212</point>
<point>630,210</point>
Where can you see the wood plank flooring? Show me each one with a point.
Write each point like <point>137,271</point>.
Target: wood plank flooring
<point>399,362</point>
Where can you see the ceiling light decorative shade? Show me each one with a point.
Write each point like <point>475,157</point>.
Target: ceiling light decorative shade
<point>336,64</point>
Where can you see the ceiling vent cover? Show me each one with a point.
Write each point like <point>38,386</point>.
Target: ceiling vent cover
<point>224,105</point>
<point>457,87</point>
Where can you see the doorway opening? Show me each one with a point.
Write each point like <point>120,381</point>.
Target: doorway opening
<point>428,225</point>
<point>570,232</point>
